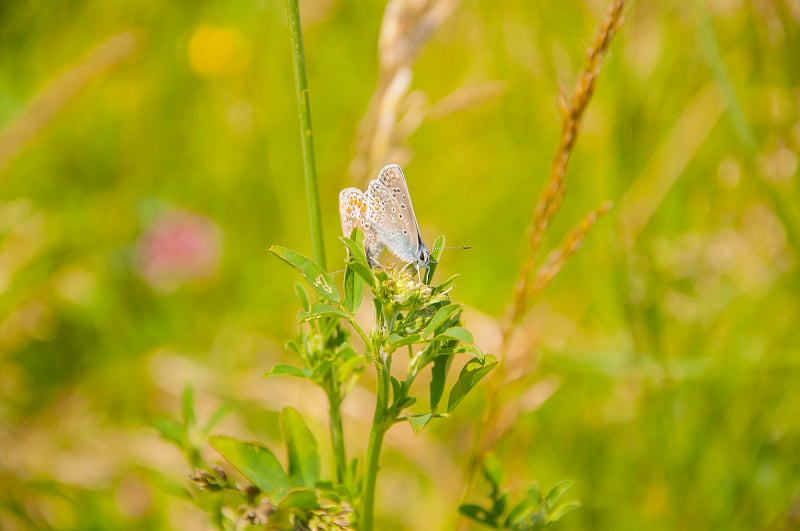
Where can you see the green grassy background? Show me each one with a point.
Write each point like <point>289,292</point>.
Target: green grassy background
<point>671,339</point>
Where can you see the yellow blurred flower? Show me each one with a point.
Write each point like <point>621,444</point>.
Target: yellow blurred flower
<point>217,51</point>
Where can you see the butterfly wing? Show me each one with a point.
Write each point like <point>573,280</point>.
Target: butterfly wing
<point>393,215</point>
<point>353,213</point>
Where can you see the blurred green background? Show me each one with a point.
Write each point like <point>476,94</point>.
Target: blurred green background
<point>661,366</point>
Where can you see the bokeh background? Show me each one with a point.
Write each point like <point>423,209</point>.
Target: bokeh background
<point>149,155</point>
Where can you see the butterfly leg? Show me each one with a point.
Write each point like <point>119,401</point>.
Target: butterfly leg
<point>419,274</point>
<point>373,262</point>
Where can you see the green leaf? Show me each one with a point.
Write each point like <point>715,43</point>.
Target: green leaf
<point>556,492</point>
<point>218,415</point>
<point>355,247</point>
<point>364,272</point>
<point>353,364</point>
<point>398,391</point>
<point>436,257</point>
<point>257,463</point>
<point>418,422</point>
<point>291,344</point>
<point>297,504</point>
<point>499,505</point>
<point>328,324</point>
<point>493,473</point>
<point>316,277</point>
<point>440,317</point>
<point>303,499</point>
<point>438,248</point>
<point>439,370</point>
<point>520,512</point>
<point>321,371</point>
<point>353,289</point>
<point>301,449</point>
<point>396,340</point>
<point>287,370</point>
<point>357,260</point>
<point>470,375</point>
<point>470,349</point>
<point>187,399</point>
<point>320,309</point>
<point>534,494</point>
<point>357,271</point>
<point>536,520</point>
<point>406,401</point>
<point>444,286</point>
<point>479,514</point>
<point>172,431</point>
<point>302,294</point>
<point>459,333</point>
<point>561,511</point>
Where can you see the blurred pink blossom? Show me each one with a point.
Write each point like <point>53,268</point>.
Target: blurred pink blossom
<point>178,247</point>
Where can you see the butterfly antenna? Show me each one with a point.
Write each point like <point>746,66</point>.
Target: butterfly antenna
<point>460,247</point>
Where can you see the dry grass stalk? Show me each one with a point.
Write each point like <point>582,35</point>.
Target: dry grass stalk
<point>395,112</point>
<point>559,257</point>
<point>571,113</point>
<point>43,108</point>
<point>406,27</point>
<point>497,418</point>
<point>465,97</point>
<point>530,399</point>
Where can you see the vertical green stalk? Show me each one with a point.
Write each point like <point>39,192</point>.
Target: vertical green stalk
<point>337,431</point>
<point>379,426</point>
<point>314,216</point>
<point>306,132</point>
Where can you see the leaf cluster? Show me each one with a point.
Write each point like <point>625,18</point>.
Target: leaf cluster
<point>531,512</point>
<point>410,316</point>
<point>272,497</point>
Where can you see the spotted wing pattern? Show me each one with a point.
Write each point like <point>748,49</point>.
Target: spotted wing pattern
<point>390,212</point>
<point>353,212</point>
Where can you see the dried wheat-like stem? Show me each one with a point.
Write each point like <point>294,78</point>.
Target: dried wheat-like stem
<point>407,25</point>
<point>557,258</point>
<point>395,112</point>
<point>571,114</point>
<point>466,97</point>
<point>43,108</point>
<point>497,419</point>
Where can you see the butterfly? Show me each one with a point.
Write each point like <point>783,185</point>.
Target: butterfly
<point>385,215</point>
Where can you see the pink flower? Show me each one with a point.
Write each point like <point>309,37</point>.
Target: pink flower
<point>179,247</point>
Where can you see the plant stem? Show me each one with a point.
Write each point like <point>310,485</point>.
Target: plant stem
<point>306,132</point>
<point>337,431</point>
<point>360,331</point>
<point>379,427</point>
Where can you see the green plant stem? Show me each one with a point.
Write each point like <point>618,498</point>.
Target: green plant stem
<point>374,446</point>
<point>359,331</point>
<point>306,133</point>
<point>337,431</point>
